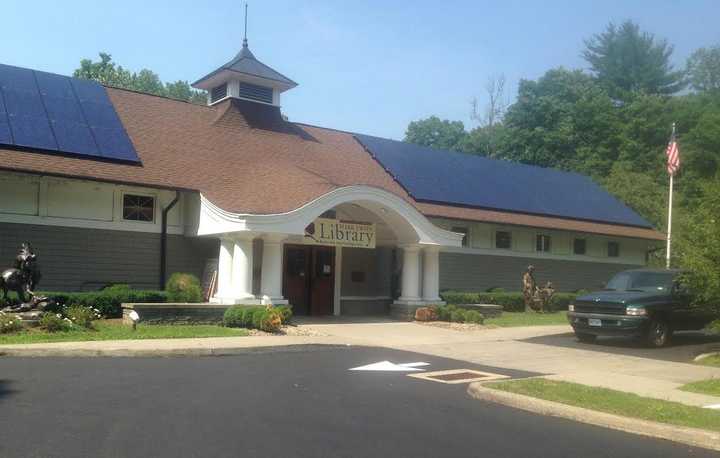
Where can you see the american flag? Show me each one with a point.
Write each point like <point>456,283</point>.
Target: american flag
<point>673,155</point>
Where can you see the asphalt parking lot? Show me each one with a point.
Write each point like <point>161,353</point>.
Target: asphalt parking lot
<point>683,348</point>
<point>301,402</point>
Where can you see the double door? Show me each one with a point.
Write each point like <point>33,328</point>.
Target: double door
<point>309,279</point>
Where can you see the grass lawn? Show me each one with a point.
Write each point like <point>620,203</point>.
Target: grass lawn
<point>615,402</point>
<point>710,361</point>
<point>511,319</point>
<point>114,330</point>
<point>710,387</point>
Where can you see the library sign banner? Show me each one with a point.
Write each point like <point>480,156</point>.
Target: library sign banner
<point>325,231</point>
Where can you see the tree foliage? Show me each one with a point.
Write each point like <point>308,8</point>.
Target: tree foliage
<point>436,133</point>
<point>703,69</point>
<point>613,123</point>
<point>107,72</point>
<point>627,61</point>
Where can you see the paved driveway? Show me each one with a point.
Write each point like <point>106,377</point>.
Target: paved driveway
<point>301,403</point>
<point>542,349</point>
<point>685,346</point>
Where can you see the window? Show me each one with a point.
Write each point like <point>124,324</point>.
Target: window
<point>579,246</point>
<point>464,231</point>
<point>503,240</point>
<point>542,243</point>
<point>613,249</point>
<point>138,208</point>
<point>217,93</point>
<point>255,92</point>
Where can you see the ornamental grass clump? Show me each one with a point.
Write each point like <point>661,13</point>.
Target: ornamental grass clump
<point>183,288</point>
<point>55,322</point>
<point>9,323</point>
<point>268,319</point>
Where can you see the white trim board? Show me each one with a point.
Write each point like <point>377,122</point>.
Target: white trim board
<point>534,255</point>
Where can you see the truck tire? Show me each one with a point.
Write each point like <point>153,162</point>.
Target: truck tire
<point>586,338</point>
<point>658,333</point>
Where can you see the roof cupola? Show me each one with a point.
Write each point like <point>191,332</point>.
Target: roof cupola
<point>245,77</point>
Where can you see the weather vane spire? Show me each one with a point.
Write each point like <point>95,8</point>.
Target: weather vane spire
<point>245,44</point>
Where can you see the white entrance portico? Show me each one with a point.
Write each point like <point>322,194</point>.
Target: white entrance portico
<point>399,227</point>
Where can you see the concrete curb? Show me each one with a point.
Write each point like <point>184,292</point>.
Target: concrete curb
<point>160,352</point>
<point>702,356</point>
<point>684,435</point>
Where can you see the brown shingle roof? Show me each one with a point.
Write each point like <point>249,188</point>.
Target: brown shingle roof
<point>246,159</point>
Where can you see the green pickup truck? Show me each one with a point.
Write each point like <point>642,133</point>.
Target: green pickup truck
<point>644,303</point>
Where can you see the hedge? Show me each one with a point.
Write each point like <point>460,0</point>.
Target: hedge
<point>108,301</point>
<point>511,302</point>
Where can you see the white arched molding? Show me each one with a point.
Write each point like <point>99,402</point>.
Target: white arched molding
<point>410,225</point>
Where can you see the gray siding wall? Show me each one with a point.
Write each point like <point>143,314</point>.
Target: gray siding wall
<point>477,273</point>
<point>375,264</point>
<point>76,259</point>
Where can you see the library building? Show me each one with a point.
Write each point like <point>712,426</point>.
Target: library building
<point>114,186</point>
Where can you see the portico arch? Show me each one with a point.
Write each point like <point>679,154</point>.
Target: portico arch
<point>408,229</point>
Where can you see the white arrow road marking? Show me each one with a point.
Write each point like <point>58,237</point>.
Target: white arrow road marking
<point>712,406</point>
<point>390,367</point>
<point>413,364</point>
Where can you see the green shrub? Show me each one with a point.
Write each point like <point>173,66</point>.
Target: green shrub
<point>511,302</point>
<point>55,322</point>
<point>263,318</point>
<point>232,318</point>
<point>457,316</point>
<point>473,316</point>
<point>82,316</point>
<point>495,290</point>
<point>183,287</point>
<point>108,301</point>
<point>285,312</point>
<point>9,323</point>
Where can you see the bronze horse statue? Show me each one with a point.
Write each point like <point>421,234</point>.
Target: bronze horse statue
<point>23,278</point>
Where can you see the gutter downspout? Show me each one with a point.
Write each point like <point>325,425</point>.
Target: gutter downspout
<point>163,239</point>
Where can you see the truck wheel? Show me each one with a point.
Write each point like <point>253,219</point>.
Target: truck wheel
<point>658,333</point>
<point>586,338</point>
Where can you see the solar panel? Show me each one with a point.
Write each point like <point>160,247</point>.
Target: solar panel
<point>448,177</point>
<point>57,113</point>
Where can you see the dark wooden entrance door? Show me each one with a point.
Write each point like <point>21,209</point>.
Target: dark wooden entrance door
<point>309,279</point>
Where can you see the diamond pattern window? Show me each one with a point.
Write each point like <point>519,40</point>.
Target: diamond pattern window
<point>138,208</point>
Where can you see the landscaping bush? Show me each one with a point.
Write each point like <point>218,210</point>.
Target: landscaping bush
<point>473,316</point>
<point>457,316</point>
<point>55,322</point>
<point>9,323</point>
<point>233,317</point>
<point>263,318</point>
<point>108,301</point>
<point>426,314</point>
<point>511,302</point>
<point>285,312</point>
<point>183,287</point>
<point>82,316</point>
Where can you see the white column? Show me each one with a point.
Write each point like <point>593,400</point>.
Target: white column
<point>338,281</point>
<point>431,274</point>
<point>410,283</point>
<point>224,277</point>
<point>271,276</point>
<point>242,269</point>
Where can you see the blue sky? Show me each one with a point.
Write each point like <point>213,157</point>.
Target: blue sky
<point>364,66</point>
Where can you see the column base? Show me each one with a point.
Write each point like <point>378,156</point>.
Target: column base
<point>236,301</point>
<point>404,310</point>
<point>274,300</point>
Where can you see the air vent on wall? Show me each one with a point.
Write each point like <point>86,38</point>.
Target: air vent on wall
<point>218,93</point>
<point>255,92</point>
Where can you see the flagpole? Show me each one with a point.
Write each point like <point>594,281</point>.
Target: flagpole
<point>670,202</point>
<point>669,226</point>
